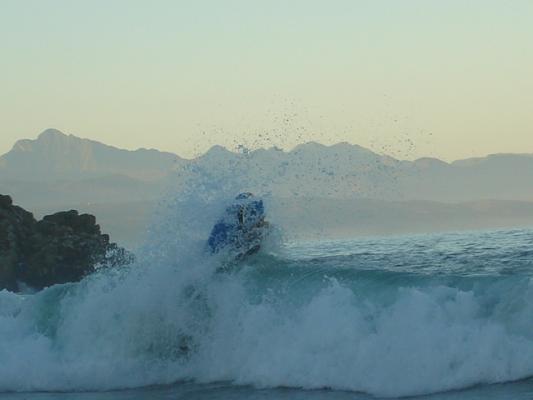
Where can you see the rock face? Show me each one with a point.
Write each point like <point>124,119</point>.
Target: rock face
<point>63,247</point>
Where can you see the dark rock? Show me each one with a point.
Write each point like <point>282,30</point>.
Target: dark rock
<point>5,201</point>
<point>63,247</point>
<point>16,228</point>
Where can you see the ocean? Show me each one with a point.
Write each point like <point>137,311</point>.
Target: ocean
<point>440,316</point>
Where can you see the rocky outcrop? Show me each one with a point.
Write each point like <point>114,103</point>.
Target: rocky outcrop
<point>16,227</point>
<point>63,247</point>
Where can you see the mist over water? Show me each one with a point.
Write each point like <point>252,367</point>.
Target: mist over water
<point>384,316</point>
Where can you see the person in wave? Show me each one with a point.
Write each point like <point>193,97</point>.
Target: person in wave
<point>241,229</point>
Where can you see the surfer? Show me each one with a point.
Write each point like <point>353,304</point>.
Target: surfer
<point>242,227</point>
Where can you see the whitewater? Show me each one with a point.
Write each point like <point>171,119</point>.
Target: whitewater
<point>372,317</point>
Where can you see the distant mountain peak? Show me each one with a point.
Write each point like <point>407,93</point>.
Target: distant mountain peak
<point>217,151</point>
<point>349,147</point>
<point>45,141</point>
<point>54,155</point>
<point>345,145</point>
<point>51,133</point>
<point>309,146</point>
<point>341,146</point>
<point>428,162</point>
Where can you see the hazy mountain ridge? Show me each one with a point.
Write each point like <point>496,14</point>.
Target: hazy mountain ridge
<point>346,171</point>
<point>343,171</point>
<point>56,156</point>
<point>348,189</point>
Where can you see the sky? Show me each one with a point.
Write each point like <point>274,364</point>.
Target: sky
<point>448,79</point>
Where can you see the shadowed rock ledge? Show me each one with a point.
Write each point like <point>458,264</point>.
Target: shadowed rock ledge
<point>62,247</point>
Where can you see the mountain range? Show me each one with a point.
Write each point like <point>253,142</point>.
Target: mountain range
<point>55,156</point>
<point>57,171</point>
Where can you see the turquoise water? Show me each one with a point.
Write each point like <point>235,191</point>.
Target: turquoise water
<point>444,316</point>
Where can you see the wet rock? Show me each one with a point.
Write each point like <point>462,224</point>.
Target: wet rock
<point>63,247</point>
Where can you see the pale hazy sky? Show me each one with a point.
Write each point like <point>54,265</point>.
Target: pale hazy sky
<point>411,78</point>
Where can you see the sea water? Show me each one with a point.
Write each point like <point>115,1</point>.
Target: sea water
<point>442,316</point>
